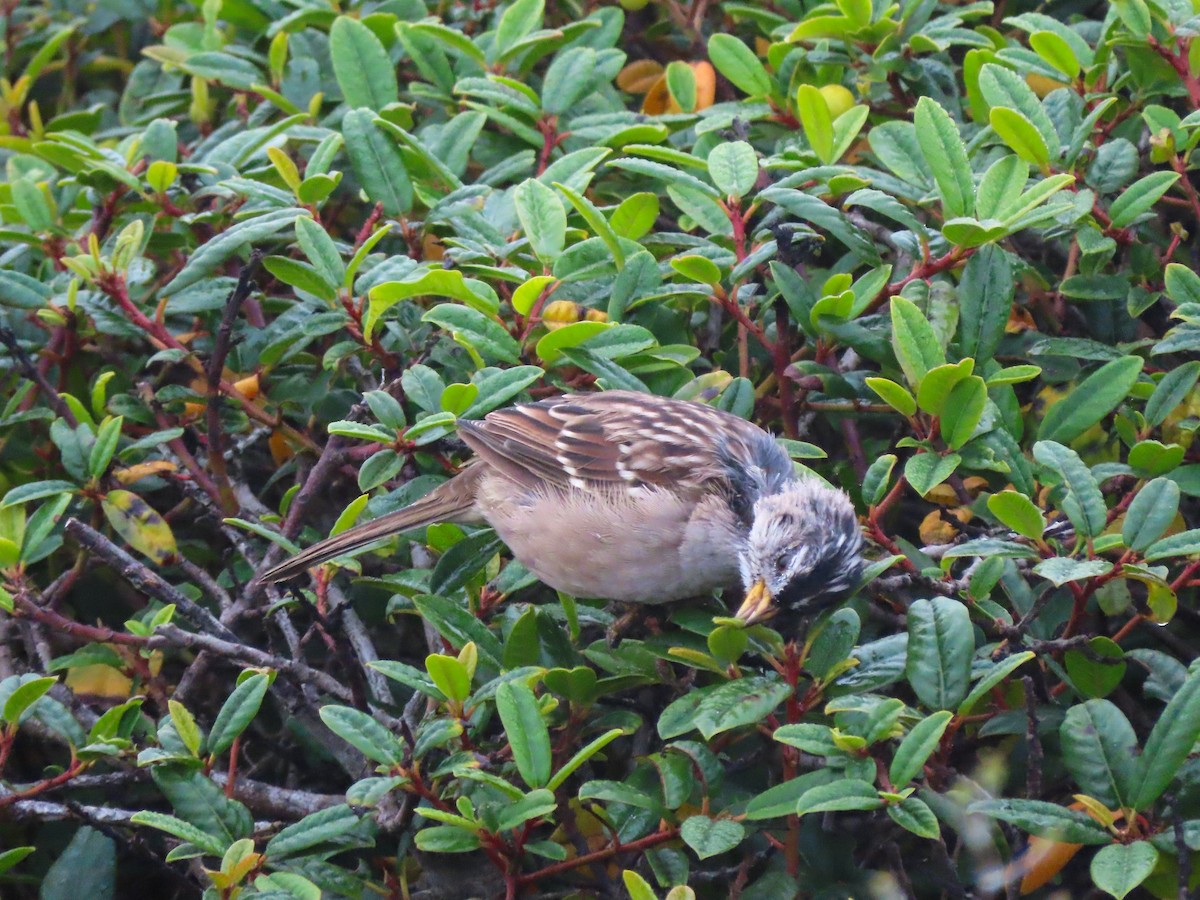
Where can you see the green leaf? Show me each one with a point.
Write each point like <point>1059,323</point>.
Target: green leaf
<point>1064,569</point>
<point>301,275</point>
<point>361,65</point>
<point>521,18</point>
<point>102,451</point>
<point>22,699</point>
<point>533,805</point>
<point>430,283</point>
<point>1003,181</point>
<point>10,858</point>
<point>916,748</point>
<point>321,251</point>
<point>1020,134</point>
<point>941,643</point>
<point>497,387</point>
<point>185,726</point>
<point>1182,284</point>
<point>485,335</point>
<point>450,676</point>
<point>743,701</point>
<point>1119,868</point>
<point>925,471</point>
<point>878,477</point>
<point>1094,398</point>
<point>1056,51</point>
<point>681,84</point>
<point>832,645</point>
<point>582,756</point>
<point>36,490</point>
<point>635,215</point>
<point>335,825</point>
<point>1087,671</point>
<point>1019,513</point>
<point>198,799</point>
<point>638,887</point>
<point>140,525</point>
<point>212,253</point>
<point>1171,391</point>
<point>839,796</point>
<point>1169,744</point>
<point>550,347</point>
<point>698,268</point>
<point>710,837</point>
<point>915,815</point>
<point>377,162</point>
<point>963,411</point>
<point>1150,514</point>
<point>1100,750</point>
<point>993,677</point>
<point>816,121</point>
<point>935,387</point>
<point>894,395</point>
<point>362,732</point>
<point>180,829</point>
<point>737,62</point>
<point>985,297</point>
<point>1082,500</point>
<point>238,710</point>
<point>914,341</point>
<point>1186,543</point>
<point>1135,14</point>
<point>526,731</point>
<point>446,839</point>
<point>1048,820</point>
<point>733,168</point>
<point>946,158</point>
<point>543,218</point>
<point>1003,88</point>
<point>1139,197</point>
<point>596,221</point>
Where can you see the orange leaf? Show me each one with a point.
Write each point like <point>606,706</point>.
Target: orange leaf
<point>639,76</point>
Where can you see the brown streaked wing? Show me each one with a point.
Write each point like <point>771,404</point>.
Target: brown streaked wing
<point>609,438</point>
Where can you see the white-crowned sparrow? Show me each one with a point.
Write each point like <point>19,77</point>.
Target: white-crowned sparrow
<point>641,499</point>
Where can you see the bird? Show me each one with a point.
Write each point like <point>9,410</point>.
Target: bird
<point>639,499</point>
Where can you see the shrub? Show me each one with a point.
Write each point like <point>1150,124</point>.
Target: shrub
<point>259,256</point>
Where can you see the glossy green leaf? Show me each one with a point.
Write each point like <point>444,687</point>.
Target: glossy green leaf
<point>1081,498</point>
<point>946,157</point>
<point>526,731</point>
<point>377,163</point>
<point>1018,512</point>
<point>1100,750</point>
<point>361,65</point>
<point>1094,398</point>
<point>1169,744</point>
<point>1118,869</point>
<point>737,62</point>
<point>941,643</point>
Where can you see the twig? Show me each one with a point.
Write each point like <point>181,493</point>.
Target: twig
<point>8,338</point>
<point>145,580</point>
<point>216,366</point>
<point>174,636</point>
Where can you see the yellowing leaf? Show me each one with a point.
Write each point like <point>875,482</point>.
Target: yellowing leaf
<point>142,528</point>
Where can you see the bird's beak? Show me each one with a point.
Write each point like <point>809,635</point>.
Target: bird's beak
<point>757,605</point>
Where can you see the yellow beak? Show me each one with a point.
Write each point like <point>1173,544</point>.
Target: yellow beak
<point>757,605</point>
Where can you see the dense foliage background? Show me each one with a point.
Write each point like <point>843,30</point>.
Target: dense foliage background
<point>258,255</point>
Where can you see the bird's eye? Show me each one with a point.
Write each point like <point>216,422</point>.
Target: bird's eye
<point>781,563</point>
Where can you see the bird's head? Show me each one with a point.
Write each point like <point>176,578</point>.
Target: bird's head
<point>803,551</point>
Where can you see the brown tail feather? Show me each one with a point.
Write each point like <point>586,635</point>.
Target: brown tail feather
<point>453,501</point>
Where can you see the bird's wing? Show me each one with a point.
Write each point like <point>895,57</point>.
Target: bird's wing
<point>615,438</point>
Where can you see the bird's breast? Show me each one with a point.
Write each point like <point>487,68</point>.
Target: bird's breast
<point>642,546</point>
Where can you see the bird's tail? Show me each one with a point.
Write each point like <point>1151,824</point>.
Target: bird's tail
<point>453,501</point>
